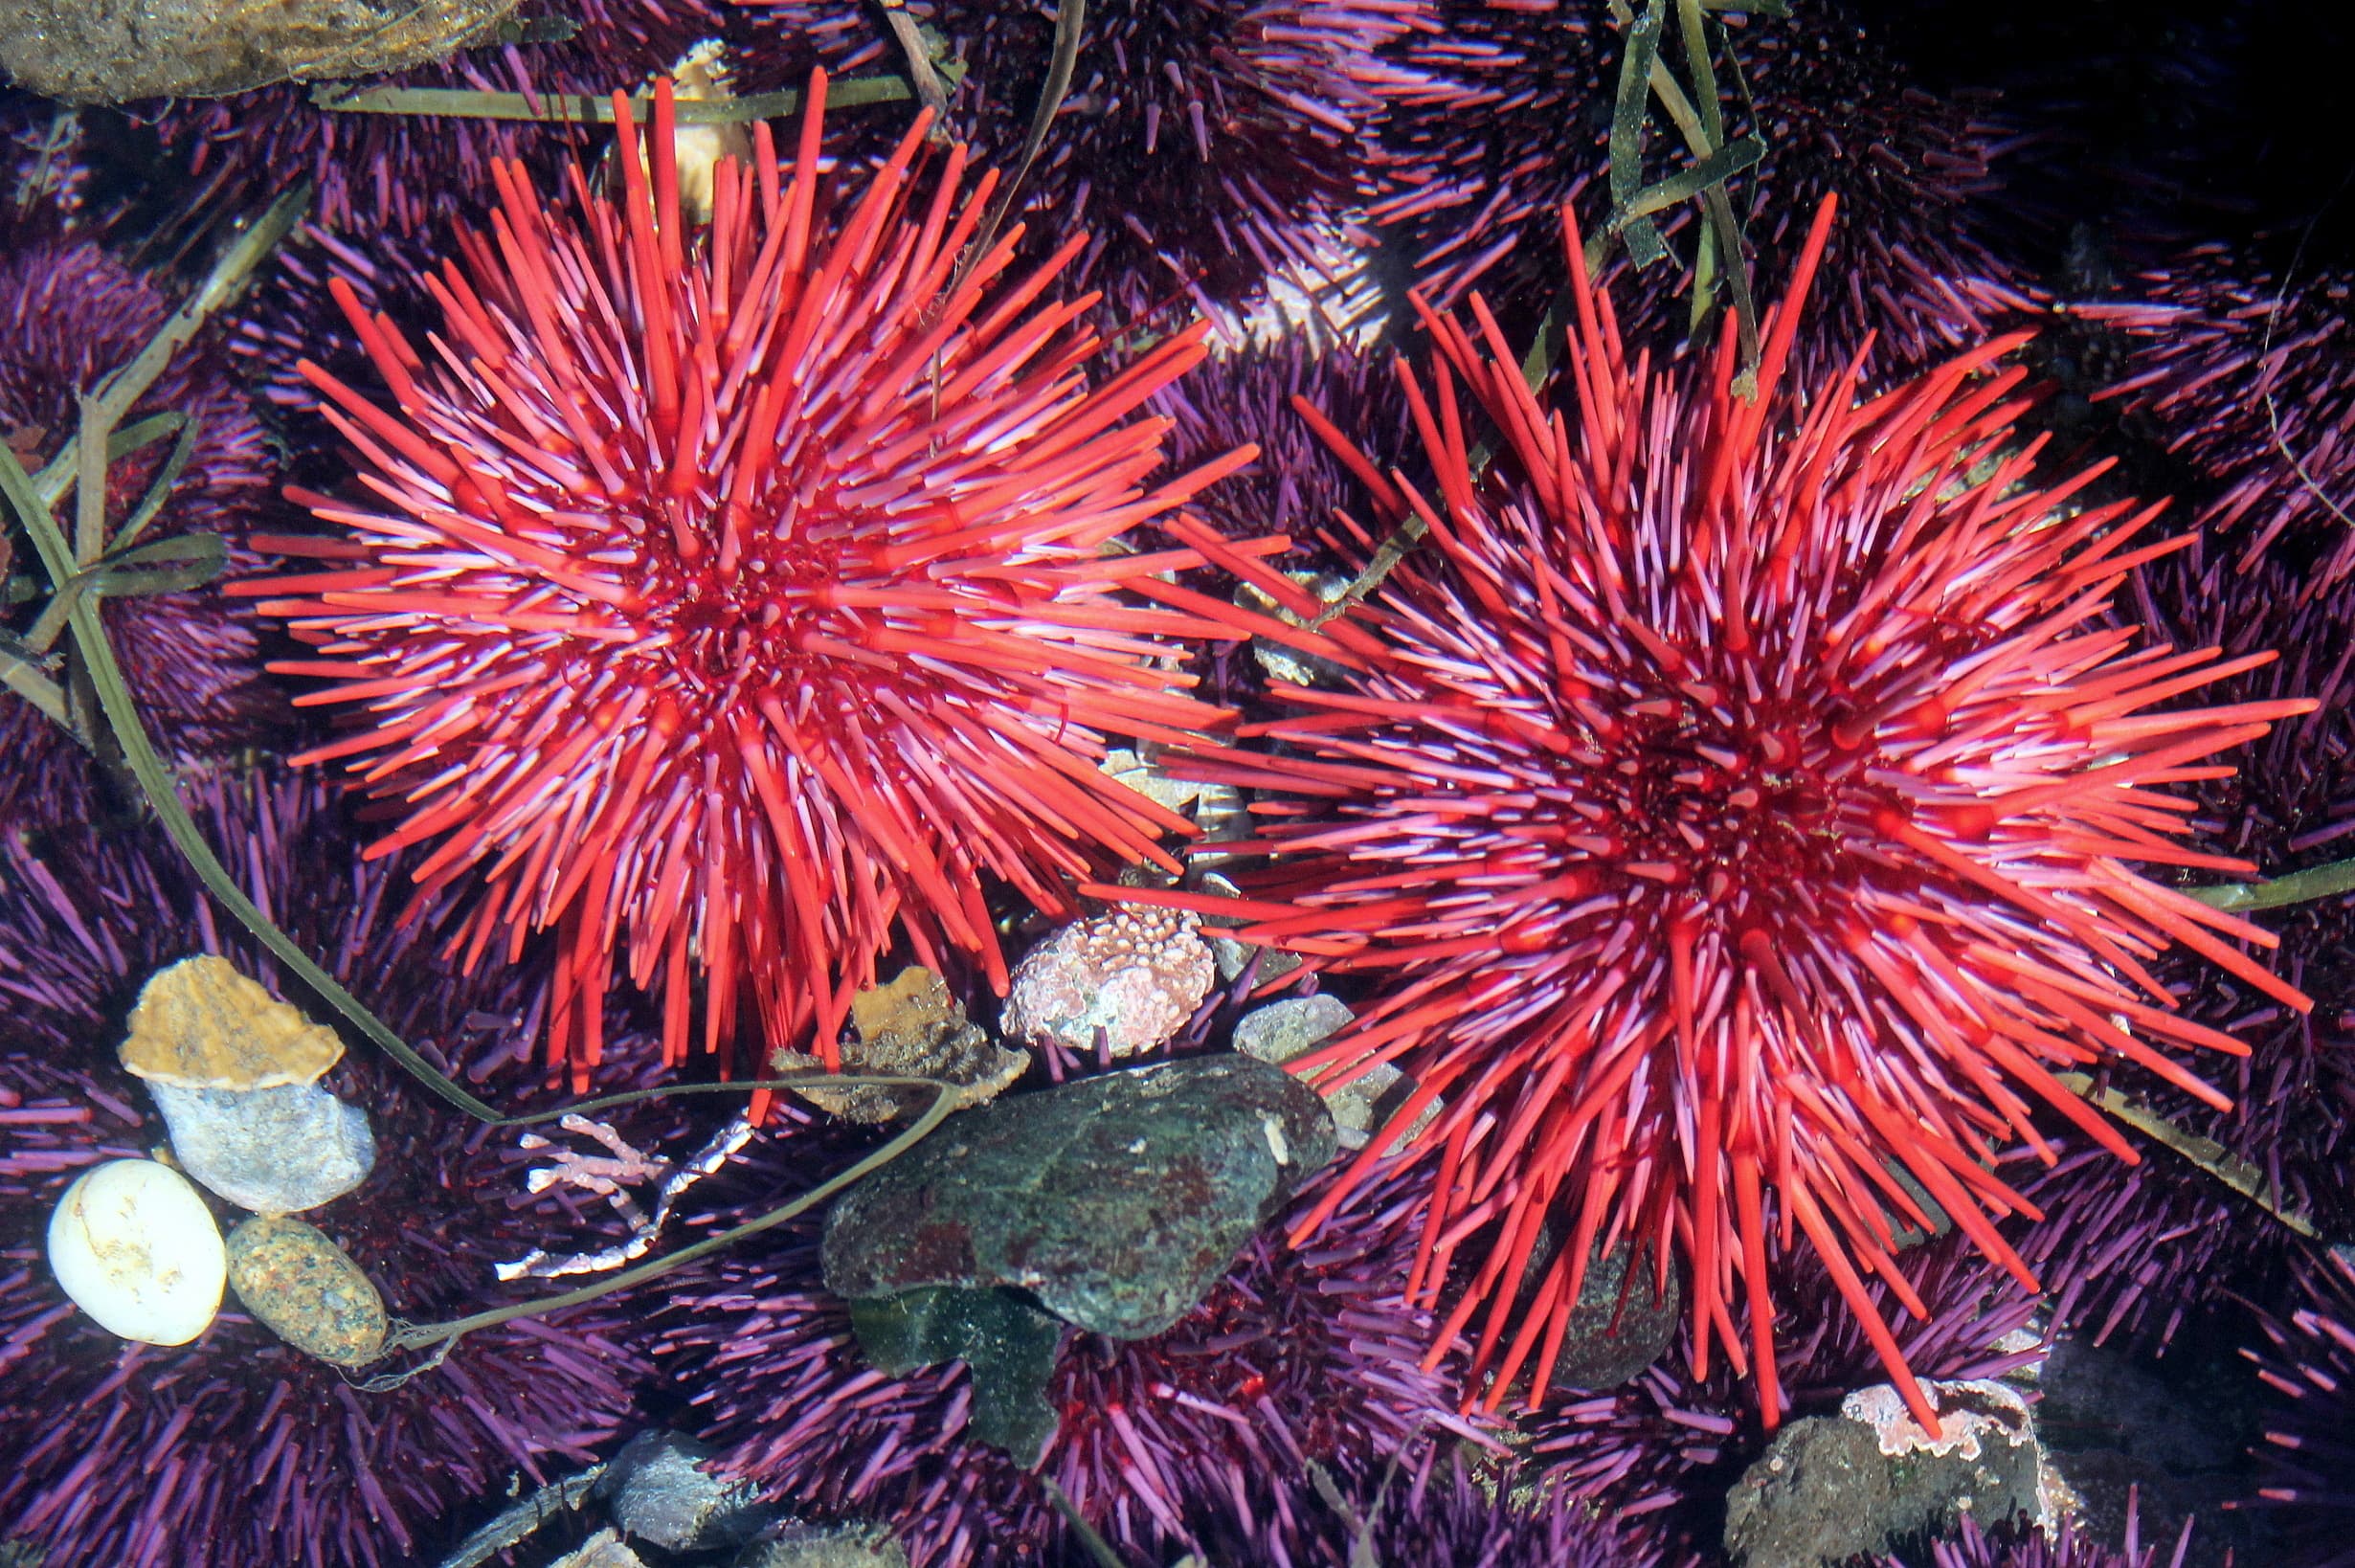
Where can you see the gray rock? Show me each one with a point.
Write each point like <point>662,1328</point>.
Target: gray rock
<point>602,1550</point>
<point>273,1150</point>
<point>2166,1439</point>
<point>1280,662</point>
<point>1619,1325</point>
<point>1232,955</point>
<point>658,1490</point>
<point>826,1546</point>
<point>1830,1488</point>
<point>1282,1030</point>
<point>1116,1200</point>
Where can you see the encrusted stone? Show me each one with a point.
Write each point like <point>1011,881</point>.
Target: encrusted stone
<point>663,1490</point>
<point>1135,973</point>
<point>274,1151</point>
<point>87,52</point>
<point>1216,809</point>
<point>201,1024</point>
<point>1828,1488</point>
<point>1115,1201</point>
<point>826,1546</point>
<point>914,1027</point>
<point>606,1548</point>
<point>1283,1030</point>
<point>306,1290</point>
<point>134,1247</point>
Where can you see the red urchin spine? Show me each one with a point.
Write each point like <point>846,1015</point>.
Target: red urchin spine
<point>744,595</point>
<point>1737,811</point>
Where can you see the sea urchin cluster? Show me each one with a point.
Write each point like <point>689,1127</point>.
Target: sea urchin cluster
<point>1736,812</point>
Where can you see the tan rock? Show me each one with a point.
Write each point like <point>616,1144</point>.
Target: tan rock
<point>201,1024</point>
<point>911,1027</point>
<point>306,1290</point>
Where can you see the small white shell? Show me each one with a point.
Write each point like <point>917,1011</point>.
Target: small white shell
<point>135,1246</point>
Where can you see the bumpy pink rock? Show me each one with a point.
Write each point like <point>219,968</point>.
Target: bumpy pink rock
<point>1137,973</point>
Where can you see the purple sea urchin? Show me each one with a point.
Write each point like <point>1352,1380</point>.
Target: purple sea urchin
<point>1204,142</point>
<point>2309,1452</point>
<point>1508,120</point>
<point>2015,1544</point>
<point>1199,1438</point>
<point>2251,380</point>
<point>1296,486</point>
<point>70,316</point>
<point>123,1453</point>
<point>1437,1516</point>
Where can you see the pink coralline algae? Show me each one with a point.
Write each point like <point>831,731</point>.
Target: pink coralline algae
<point>1137,975</point>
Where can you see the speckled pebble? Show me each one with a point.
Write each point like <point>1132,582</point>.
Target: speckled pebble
<point>306,1290</point>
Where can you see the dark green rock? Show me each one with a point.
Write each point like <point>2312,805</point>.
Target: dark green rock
<point>1115,1201</point>
<point>1620,1326</point>
<point>1007,1343</point>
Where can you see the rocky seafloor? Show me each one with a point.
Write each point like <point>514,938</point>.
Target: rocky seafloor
<point>1320,783</point>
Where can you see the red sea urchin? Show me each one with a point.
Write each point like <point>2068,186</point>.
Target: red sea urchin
<point>1734,817</point>
<point>743,594</point>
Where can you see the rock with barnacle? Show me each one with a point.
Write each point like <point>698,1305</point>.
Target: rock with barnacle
<point>911,1027</point>
<point>135,1248</point>
<point>234,1069</point>
<point>1830,1488</point>
<point>1136,973</point>
<point>306,1290</point>
<point>112,53</point>
<point>1115,1201</point>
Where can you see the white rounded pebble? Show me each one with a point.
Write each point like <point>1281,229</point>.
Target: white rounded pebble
<point>137,1249</point>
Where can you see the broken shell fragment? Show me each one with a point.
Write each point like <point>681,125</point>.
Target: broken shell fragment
<point>306,1290</point>
<point>133,1245</point>
<point>201,1024</point>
